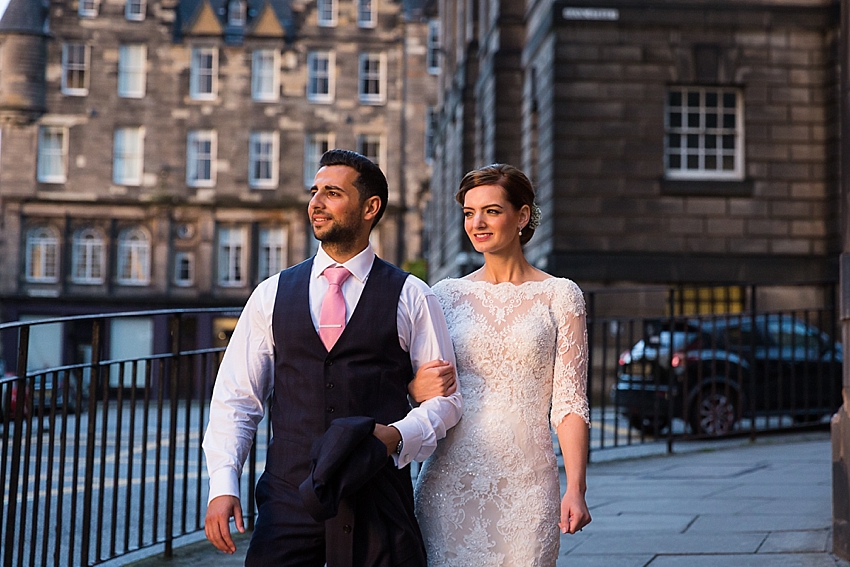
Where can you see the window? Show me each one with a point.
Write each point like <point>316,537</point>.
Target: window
<point>236,13</point>
<point>326,10</point>
<point>430,129</point>
<point>265,84</point>
<point>263,160</point>
<point>320,87</point>
<point>372,80</point>
<point>370,145</point>
<point>42,255</point>
<point>184,269</point>
<point>88,254</point>
<point>272,252</point>
<point>52,154</point>
<point>132,70</point>
<point>135,10</point>
<point>705,136</point>
<point>75,69</point>
<point>203,75</point>
<point>87,8</point>
<point>315,145</point>
<point>232,256</point>
<point>366,13</point>
<point>433,55</point>
<point>128,156</point>
<point>200,158</point>
<point>134,257</point>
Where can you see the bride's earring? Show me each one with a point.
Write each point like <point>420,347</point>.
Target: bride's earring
<point>520,231</point>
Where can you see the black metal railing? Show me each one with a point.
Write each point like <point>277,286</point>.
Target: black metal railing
<point>101,455</point>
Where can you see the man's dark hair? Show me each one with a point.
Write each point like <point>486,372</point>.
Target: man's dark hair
<point>370,179</point>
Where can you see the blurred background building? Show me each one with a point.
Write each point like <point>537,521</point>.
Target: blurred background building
<point>159,152</point>
<point>672,143</point>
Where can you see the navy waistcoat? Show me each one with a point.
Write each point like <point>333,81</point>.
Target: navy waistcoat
<point>366,373</point>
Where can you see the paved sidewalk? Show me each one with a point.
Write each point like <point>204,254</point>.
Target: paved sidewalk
<point>738,504</point>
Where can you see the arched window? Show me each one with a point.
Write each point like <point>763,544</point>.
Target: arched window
<point>134,257</point>
<point>88,256</point>
<point>42,255</point>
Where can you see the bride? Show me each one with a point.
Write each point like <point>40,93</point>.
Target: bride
<point>489,494</point>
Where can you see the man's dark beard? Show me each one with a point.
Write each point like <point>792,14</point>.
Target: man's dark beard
<point>339,235</point>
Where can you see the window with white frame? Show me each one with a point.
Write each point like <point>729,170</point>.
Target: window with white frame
<point>314,146</point>
<point>432,56</point>
<point>134,257</point>
<point>326,11</point>
<point>87,8</point>
<point>135,10</point>
<point>236,13</point>
<point>272,257</point>
<point>128,156</point>
<point>52,154</point>
<point>88,255</point>
<point>263,160</point>
<point>371,146</point>
<point>265,81</point>
<point>372,81</point>
<point>132,70</point>
<point>200,158</point>
<point>184,269</point>
<point>367,15</point>
<point>320,76</point>
<point>232,256</point>
<point>704,133</point>
<point>42,255</point>
<point>75,69</point>
<point>430,129</point>
<point>203,74</point>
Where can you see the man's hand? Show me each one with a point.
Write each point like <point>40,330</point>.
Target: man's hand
<point>435,378</point>
<point>217,522</point>
<point>389,436</point>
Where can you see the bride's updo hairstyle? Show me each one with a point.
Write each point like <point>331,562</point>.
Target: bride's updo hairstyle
<point>517,187</point>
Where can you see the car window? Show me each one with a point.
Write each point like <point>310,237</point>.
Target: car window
<point>793,334</point>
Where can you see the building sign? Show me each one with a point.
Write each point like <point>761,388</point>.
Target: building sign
<point>595,14</point>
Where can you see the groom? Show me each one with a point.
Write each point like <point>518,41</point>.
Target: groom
<point>340,334</point>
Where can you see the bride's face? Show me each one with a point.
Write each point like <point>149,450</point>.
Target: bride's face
<point>490,220</point>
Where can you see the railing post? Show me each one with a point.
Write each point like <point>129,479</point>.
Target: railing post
<point>20,401</point>
<point>671,375</point>
<point>752,361</point>
<point>91,432</point>
<point>174,325</point>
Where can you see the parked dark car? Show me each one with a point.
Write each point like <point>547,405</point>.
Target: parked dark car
<point>712,372</point>
<point>49,385</point>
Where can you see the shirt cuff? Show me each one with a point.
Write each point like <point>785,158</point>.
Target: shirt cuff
<point>223,483</point>
<point>412,437</point>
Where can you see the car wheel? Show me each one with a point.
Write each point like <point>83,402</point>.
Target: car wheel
<point>648,425</point>
<point>714,411</point>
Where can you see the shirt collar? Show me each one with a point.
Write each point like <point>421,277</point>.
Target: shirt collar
<point>359,266</point>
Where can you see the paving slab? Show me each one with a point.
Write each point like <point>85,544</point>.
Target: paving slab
<point>796,542</point>
<point>608,560</point>
<point>776,560</point>
<point>723,523</point>
<point>605,544</point>
<point>637,522</point>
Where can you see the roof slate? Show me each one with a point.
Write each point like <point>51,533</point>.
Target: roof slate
<point>24,16</point>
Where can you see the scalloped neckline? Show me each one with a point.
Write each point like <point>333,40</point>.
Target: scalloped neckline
<point>550,278</point>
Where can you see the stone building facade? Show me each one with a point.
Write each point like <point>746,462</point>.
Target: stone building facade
<point>670,142</point>
<point>159,153</point>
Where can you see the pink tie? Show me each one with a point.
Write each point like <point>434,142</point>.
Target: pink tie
<point>332,316</point>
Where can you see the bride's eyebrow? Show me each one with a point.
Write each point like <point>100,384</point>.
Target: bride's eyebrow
<point>493,206</point>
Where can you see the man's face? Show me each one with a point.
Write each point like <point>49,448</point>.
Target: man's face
<point>335,209</point>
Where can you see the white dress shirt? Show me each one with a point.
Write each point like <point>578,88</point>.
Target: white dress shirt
<point>246,376</point>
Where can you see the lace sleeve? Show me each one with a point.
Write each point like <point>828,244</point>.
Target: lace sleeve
<point>569,387</point>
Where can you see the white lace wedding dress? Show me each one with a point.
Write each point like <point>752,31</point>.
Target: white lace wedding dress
<point>489,495</point>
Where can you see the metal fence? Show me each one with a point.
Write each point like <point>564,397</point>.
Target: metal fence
<point>103,457</point>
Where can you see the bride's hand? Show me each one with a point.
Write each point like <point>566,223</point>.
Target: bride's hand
<point>574,513</point>
<point>435,378</point>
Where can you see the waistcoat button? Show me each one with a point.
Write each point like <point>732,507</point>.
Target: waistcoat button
<point>329,385</point>
<point>330,409</point>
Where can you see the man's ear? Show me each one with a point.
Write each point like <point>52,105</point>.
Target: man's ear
<point>371,206</point>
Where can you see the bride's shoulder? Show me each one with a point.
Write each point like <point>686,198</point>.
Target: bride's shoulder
<point>567,295</point>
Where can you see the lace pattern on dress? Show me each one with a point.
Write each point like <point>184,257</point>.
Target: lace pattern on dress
<point>489,495</point>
